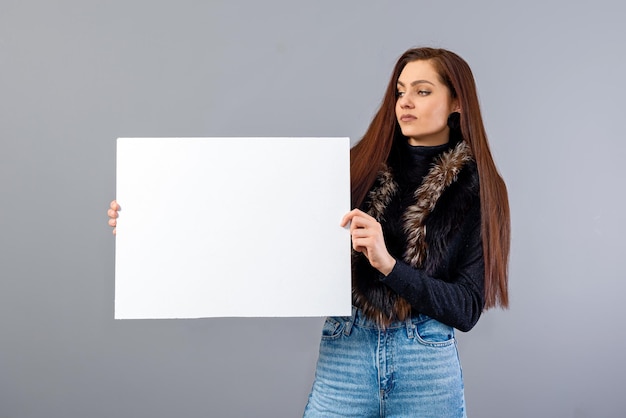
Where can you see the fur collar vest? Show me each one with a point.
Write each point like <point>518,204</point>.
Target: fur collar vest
<point>437,211</point>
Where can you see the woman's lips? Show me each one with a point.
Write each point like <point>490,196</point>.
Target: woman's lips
<point>407,118</point>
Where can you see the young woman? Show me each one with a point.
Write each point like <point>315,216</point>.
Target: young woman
<point>430,235</point>
<point>431,240</point>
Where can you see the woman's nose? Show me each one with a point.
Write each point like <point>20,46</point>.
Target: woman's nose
<point>405,102</point>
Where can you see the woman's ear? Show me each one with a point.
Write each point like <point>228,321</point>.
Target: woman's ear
<point>456,106</point>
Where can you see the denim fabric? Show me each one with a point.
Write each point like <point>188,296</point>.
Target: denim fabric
<point>409,369</point>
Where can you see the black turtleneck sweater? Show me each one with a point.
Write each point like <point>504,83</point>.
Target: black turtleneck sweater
<point>458,300</point>
<point>412,165</point>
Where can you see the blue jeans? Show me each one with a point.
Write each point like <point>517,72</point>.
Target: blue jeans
<point>409,369</point>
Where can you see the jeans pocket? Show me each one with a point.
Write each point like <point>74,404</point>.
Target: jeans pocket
<point>433,333</point>
<point>333,327</point>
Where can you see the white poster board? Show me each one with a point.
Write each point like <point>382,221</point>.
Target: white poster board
<point>230,227</point>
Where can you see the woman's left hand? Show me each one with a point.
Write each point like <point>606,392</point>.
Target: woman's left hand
<point>367,238</point>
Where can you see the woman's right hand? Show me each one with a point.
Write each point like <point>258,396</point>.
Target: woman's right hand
<point>113,214</point>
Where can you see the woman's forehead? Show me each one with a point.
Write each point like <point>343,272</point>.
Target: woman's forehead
<point>421,70</point>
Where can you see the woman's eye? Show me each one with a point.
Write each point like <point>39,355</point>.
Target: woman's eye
<point>399,93</point>
<point>423,92</point>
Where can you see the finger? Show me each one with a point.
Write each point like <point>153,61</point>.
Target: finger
<point>114,232</point>
<point>367,241</point>
<point>361,214</point>
<point>360,233</point>
<point>114,205</point>
<point>360,249</point>
<point>112,222</point>
<point>346,219</point>
<point>350,215</point>
<point>112,213</point>
<point>361,222</point>
<point>356,246</point>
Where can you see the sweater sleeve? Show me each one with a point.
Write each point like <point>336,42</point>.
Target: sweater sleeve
<point>457,301</point>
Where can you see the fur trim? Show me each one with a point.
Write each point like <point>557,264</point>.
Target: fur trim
<point>445,171</point>
<point>379,197</point>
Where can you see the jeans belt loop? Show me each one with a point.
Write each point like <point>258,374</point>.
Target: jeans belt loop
<point>410,328</point>
<point>348,328</point>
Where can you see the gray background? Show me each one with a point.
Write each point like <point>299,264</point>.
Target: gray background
<point>75,75</point>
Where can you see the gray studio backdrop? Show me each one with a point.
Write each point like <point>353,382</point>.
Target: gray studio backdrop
<point>75,75</point>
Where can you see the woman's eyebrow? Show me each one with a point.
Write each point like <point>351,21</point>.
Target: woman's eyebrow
<point>413,83</point>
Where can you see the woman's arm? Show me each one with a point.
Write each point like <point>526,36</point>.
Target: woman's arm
<point>457,301</point>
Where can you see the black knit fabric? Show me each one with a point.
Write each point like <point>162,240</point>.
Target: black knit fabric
<point>413,165</point>
<point>454,294</point>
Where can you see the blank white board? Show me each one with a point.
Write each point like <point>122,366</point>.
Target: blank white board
<point>230,227</point>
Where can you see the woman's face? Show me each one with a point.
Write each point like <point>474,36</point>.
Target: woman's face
<point>423,104</point>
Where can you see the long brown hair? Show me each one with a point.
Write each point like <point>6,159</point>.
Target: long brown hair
<point>375,147</point>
